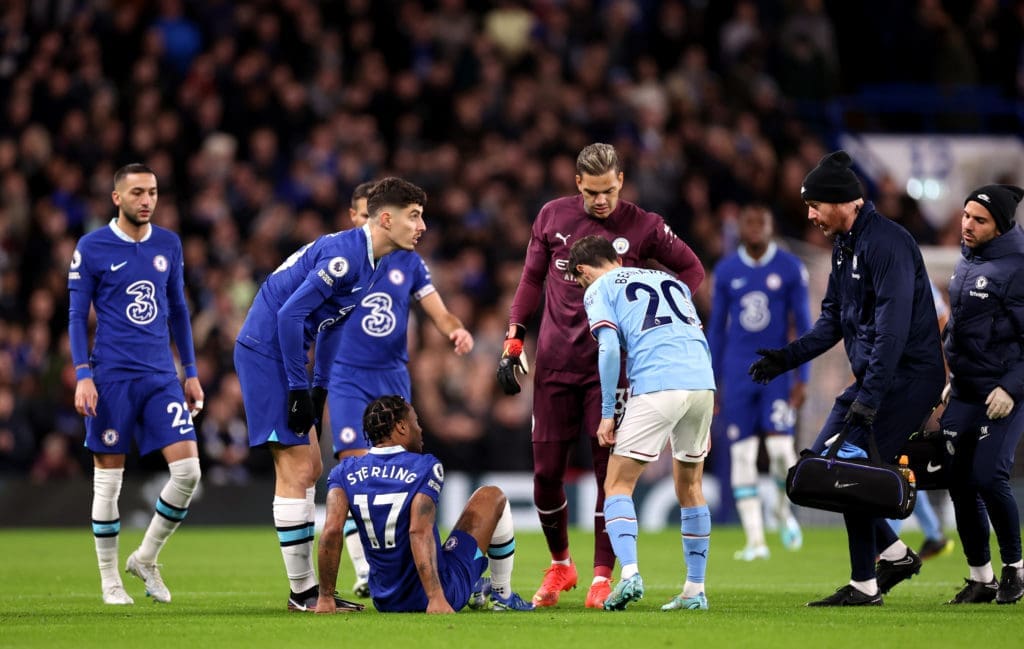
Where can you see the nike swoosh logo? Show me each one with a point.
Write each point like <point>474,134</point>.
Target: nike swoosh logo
<point>117,267</point>
<point>905,561</point>
<point>357,288</point>
<point>185,430</point>
<point>844,485</point>
<point>931,468</point>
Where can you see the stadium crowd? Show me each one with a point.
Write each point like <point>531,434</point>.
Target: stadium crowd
<point>260,117</point>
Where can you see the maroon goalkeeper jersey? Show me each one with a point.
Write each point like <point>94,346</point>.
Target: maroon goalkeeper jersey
<point>564,342</point>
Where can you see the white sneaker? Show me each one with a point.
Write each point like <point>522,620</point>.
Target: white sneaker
<point>751,554</point>
<point>116,595</point>
<point>361,588</point>
<point>150,574</point>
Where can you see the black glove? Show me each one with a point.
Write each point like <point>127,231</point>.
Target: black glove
<point>319,399</point>
<point>771,364</point>
<point>860,414</point>
<point>300,411</point>
<point>513,360</point>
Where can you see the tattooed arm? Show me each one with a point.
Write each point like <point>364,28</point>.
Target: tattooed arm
<point>329,552</point>
<point>424,552</point>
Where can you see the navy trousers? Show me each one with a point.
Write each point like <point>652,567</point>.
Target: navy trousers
<point>983,451</point>
<point>902,411</point>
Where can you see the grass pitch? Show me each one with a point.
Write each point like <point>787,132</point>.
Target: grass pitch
<point>229,591</point>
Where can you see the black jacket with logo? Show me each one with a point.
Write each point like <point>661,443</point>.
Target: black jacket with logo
<point>984,338</point>
<point>879,302</point>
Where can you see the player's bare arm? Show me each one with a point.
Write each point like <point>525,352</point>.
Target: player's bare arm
<point>424,552</point>
<point>329,552</point>
<point>86,397</point>
<point>447,323</point>
<point>194,395</point>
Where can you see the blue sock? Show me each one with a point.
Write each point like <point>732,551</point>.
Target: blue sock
<point>696,529</point>
<point>620,523</point>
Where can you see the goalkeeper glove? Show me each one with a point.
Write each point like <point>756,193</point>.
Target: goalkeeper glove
<point>513,360</point>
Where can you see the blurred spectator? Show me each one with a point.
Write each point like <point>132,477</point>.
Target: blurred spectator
<point>260,118</point>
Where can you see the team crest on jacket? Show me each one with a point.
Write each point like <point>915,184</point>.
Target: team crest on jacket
<point>110,437</point>
<point>773,281</point>
<point>76,259</point>
<point>397,277</point>
<point>451,543</point>
<point>337,267</point>
<point>621,245</point>
<point>160,263</point>
<point>982,282</point>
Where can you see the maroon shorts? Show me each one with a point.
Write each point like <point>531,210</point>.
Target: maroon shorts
<point>567,405</point>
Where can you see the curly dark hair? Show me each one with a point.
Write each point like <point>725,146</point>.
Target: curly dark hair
<point>381,415</point>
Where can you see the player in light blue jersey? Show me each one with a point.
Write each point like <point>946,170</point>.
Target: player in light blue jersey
<point>312,291</point>
<point>650,314</point>
<point>372,355</point>
<point>128,390</point>
<point>393,493</point>
<point>760,299</point>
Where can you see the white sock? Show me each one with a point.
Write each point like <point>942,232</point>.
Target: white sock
<point>106,522</point>
<point>171,507</point>
<point>354,545</point>
<point>984,573</point>
<point>502,552</point>
<point>629,571</point>
<point>1015,564</point>
<point>868,587</point>
<point>311,505</point>
<point>295,534</point>
<point>752,520</point>
<point>598,578</point>
<point>781,456</point>
<point>562,562</point>
<point>894,552</point>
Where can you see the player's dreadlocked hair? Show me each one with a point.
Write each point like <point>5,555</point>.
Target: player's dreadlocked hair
<point>381,415</point>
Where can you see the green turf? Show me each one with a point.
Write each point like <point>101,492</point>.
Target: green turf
<point>229,591</point>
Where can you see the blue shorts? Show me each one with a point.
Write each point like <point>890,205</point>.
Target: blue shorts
<point>350,391</point>
<point>265,396</point>
<point>748,409</point>
<point>149,409</point>
<point>460,565</point>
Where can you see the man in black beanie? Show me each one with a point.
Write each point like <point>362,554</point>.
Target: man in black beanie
<point>878,293</point>
<point>984,344</point>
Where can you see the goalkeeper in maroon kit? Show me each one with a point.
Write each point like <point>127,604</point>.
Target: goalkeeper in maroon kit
<point>567,389</point>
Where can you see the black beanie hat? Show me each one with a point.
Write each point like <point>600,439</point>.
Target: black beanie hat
<point>1000,201</point>
<point>832,181</point>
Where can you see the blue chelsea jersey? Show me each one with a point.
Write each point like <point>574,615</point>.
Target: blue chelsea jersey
<point>751,308</point>
<point>320,283</point>
<point>137,289</point>
<point>657,325</point>
<point>374,334</point>
<point>380,487</point>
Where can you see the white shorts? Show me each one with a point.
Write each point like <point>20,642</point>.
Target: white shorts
<point>682,417</point>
